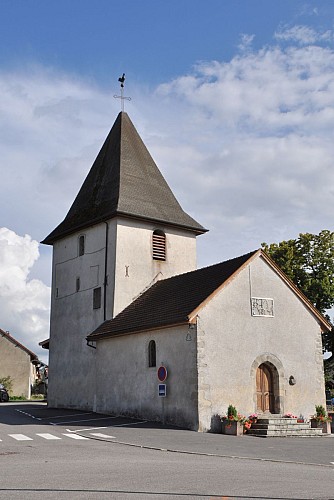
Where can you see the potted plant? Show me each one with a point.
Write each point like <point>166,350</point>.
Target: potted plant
<point>233,422</point>
<point>321,420</point>
<point>253,418</point>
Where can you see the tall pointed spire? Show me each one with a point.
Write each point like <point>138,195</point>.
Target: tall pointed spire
<point>124,180</point>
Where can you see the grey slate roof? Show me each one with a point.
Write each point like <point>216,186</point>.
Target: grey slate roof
<point>170,301</point>
<point>124,180</point>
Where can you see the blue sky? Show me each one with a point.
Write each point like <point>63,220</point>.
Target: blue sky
<point>233,98</point>
<point>151,40</point>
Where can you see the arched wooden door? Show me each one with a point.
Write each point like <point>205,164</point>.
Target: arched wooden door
<point>265,389</point>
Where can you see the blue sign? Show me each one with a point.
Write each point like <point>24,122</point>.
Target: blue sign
<point>162,390</point>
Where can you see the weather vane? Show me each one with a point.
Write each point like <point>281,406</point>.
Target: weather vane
<point>121,97</point>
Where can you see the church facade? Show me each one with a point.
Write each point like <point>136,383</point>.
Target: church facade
<point>127,299</point>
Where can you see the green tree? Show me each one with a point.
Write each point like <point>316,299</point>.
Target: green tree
<point>309,262</point>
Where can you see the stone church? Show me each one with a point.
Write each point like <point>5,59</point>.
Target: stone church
<point>127,299</point>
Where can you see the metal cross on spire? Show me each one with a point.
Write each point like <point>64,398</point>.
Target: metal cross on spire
<point>122,97</point>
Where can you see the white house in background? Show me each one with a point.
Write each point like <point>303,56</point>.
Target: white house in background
<point>19,363</point>
<point>127,298</point>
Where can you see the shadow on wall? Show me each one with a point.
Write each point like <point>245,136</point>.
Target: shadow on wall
<point>216,424</point>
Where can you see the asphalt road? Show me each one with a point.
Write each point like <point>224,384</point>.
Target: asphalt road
<point>68,454</point>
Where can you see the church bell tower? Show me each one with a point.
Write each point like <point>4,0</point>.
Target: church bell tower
<point>124,231</point>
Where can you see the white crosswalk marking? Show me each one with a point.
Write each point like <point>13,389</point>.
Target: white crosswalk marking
<point>20,437</point>
<point>99,434</point>
<point>74,436</point>
<point>48,436</point>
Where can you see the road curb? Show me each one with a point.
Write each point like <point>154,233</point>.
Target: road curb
<point>186,452</point>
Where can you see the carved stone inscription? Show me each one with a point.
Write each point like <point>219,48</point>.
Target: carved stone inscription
<point>262,307</point>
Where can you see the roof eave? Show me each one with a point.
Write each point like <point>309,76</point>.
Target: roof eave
<point>50,240</point>
<point>121,333</point>
<point>326,325</point>
<point>16,343</point>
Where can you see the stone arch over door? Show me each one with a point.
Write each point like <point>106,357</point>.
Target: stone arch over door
<point>268,379</point>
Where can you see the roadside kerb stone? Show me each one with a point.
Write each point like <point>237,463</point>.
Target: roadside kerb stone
<point>203,453</point>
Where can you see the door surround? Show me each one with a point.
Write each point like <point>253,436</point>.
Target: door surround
<point>278,381</point>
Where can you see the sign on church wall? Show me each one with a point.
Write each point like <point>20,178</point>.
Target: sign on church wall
<point>162,390</point>
<point>162,373</point>
<point>262,306</point>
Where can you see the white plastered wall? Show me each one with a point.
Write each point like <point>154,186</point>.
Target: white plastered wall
<point>126,385</point>
<point>232,344</point>
<point>16,364</point>
<point>130,270</point>
<point>71,362</point>
<point>135,268</point>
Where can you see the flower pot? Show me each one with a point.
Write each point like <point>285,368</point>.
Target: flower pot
<point>325,426</point>
<point>232,428</point>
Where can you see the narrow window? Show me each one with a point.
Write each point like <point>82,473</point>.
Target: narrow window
<point>77,285</point>
<point>159,245</point>
<point>97,298</point>
<point>81,245</point>
<point>152,354</point>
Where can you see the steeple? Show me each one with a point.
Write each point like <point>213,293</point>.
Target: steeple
<point>124,181</point>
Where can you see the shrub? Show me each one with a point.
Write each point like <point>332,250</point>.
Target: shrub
<point>7,382</point>
<point>232,413</point>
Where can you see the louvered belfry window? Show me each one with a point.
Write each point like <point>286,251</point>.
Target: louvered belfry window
<point>159,245</point>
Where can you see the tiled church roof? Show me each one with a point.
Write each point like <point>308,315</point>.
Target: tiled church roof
<point>124,180</point>
<point>170,301</point>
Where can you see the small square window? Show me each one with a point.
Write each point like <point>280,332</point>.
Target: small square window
<point>97,298</point>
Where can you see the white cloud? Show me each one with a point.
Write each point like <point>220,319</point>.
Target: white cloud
<point>303,35</point>
<point>258,131</point>
<point>246,42</point>
<point>24,303</point>
<point>50,128</point>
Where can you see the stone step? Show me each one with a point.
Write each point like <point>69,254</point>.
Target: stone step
<point>276,420</point>
<point>282,426</point>
<point>276,425</point>
<point>285,433</point>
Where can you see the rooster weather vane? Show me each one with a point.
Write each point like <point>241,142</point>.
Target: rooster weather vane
<point>121,97</point>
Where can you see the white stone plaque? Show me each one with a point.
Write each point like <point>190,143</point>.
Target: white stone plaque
<point>262,307</point>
